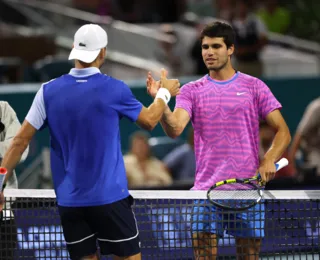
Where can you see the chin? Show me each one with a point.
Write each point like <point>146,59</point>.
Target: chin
<point>213,68</point>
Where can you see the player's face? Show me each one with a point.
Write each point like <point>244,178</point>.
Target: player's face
<point>215,53</point>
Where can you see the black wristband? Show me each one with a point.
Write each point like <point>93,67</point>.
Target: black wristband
<point>3,186</point>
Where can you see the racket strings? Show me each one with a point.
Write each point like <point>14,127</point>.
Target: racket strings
<point>235,196</point>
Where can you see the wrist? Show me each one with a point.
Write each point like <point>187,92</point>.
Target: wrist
<point>268,158</point>
<point>163,94</point>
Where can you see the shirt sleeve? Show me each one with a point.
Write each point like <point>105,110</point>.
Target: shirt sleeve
<point>184,100</point>
<point>309,120</point>
<point>266,101</point>
<point>37,113</point>
<point>128,106</point>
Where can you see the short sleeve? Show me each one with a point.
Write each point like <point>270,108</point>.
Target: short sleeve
<point>184,99</point>
<point>266,101</point>
<point>129,106</point>
<point>37,113</point>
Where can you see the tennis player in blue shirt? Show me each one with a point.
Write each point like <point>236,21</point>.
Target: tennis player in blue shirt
<point>82,111</point>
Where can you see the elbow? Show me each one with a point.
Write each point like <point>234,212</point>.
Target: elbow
<point>175,132</point>
<point>149,125</point>
<point>286,137</point>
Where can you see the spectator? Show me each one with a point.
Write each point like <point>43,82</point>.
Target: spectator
<point>181,161</point>
<point>276,18</point>
<point>267,134</point>
<point>251,37</point>
<point>224,8</point>
<point>144,170</point>
<point>169,52</point>
<point>9,127</point>
<point>308,136</point>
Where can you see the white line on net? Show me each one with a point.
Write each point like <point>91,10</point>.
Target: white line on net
<point>175,194</point>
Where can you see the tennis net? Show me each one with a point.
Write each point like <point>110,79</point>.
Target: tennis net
<point>291,226</point>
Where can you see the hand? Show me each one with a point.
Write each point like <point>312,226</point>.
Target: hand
<point>1,201</point>
<point>267,171</point>
<point>173,85</point>
<point>152,85</point>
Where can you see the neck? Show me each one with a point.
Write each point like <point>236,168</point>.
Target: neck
<point>223,74</point>
<point>82,65</point>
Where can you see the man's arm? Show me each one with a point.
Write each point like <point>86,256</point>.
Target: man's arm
<point>149,117</point>
<point>19,144</point>
<point>282,138</point>
<point>173,123</point>
<point>279,145</point>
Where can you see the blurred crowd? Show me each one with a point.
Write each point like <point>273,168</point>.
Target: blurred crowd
<point>252,21</point>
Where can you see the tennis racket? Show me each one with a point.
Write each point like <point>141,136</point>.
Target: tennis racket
<point>239,194</point>
<point>3,172</point>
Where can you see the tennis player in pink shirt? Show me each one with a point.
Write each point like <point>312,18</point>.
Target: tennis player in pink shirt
<point>225,108</point>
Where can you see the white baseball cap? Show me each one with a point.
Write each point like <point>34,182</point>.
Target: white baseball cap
<point>88,41</point>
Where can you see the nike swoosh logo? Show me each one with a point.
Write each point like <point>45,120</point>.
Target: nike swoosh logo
<point>240,93</point>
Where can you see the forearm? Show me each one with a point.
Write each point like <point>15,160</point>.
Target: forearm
<point>155,111</point>
<point>279,145</point>
<point>169,124</point>
<point>13,155</point>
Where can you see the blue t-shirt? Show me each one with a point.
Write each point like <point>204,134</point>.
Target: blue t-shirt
<point>82,111</point>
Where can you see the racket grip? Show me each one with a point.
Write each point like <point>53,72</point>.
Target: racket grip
<point>3,172</point>
<point>279,165</point>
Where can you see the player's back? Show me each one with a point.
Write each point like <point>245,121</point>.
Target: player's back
<point>83,115</point>
<point>225,116</point>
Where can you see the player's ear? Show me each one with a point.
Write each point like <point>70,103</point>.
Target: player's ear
<point>103,53</point>
<point>231,50</point>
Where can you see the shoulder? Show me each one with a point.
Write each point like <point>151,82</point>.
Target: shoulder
<point>194,85</point>
<point>249,80</point>
<point>4,104</point>
<point>51,82</point>
<point>115,84</point>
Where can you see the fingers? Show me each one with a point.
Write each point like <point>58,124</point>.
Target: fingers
<point>266,177</point>
<point>163,74</point>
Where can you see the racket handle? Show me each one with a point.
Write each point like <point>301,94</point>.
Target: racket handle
<point>3,172</point>
<point>279,165</point>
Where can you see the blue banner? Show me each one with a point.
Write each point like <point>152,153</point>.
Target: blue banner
<point>290,227</point>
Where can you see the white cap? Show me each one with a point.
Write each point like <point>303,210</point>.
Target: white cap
<point>88,41</point>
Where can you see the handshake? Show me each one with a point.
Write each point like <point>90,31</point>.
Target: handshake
<point>172,85</point>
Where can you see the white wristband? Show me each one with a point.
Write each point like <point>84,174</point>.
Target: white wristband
<point>164,94</point>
